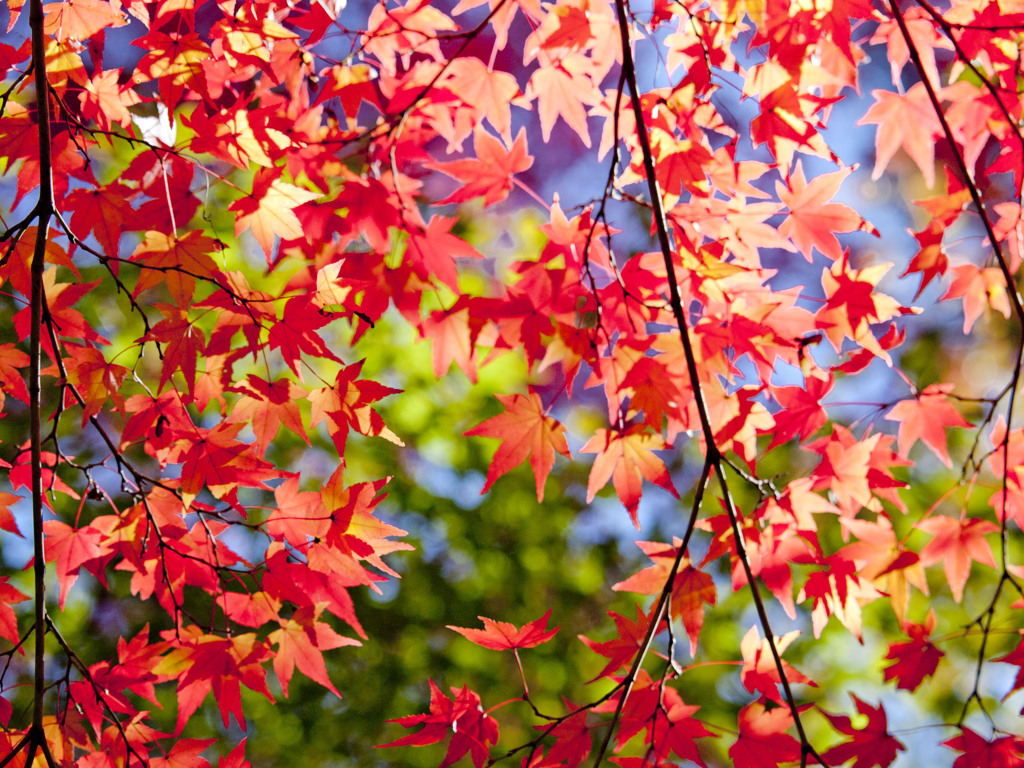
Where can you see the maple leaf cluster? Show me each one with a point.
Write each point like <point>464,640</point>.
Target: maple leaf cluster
<point>228,209</point>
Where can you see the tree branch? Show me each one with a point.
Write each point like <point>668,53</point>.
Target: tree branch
<point>43,211</point>
<point>713,455</point>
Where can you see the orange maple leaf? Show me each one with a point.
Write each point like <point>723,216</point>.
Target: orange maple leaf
<point>626,458</point>
<point>452,335</point>
<point>81,19</point>
<point>300,642</point>
<point>269,406</point>
<point>488,91</point>
<point>926,418</point>
<point>106,100</point>
<point>957,544</point>
<point>559,93</point>
<point>906,121</point>
<point>270,209</point>
<point>175,262</point>
<point>979,289</point>
<point>524,430</point>
<point>812,219</point>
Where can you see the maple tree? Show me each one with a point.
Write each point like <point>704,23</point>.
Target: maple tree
<point>223,212</point>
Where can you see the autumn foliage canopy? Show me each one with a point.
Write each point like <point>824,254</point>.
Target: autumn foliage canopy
<point>216,213</point>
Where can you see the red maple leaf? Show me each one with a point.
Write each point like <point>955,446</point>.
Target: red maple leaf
<point>654,391</point>
<point>349,405</point>
<point>870,745</point>
<point>65,319</point>
<point>8,620</point>
<point>572,737</point>
<point>622,649</point>
<point>183,341</point>
<point>852,305</point>
<point>100,211</point>
<point>838,590</point>
<point>684,168</point>
<point>502,636</point>
<point>525,431</point>
<point>433,251</point>
<point>184,754</point>
<point>657,709</point>
<point>915,660</point>
<point>73,548</point>
<point>7,521</point>
<point>235,758</point>
<point>978,752</point>
<point>801,415</point>
<point>930,261</point>
<point>220,666</point>
<point>471,730</point>
<point>296,334</point>
<point>573,28</point>
<point>763,741</point>
<point>11,380</point>
<point>760,674</point>
<point>215,460</point>
<point>1016,657</point>
<point>691,587</point>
